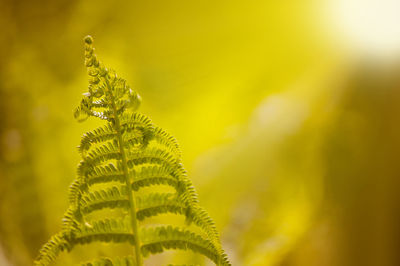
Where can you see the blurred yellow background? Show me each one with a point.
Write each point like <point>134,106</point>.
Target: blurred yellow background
<point>287,112</point>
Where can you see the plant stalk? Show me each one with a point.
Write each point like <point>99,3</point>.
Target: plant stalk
<point>132,200</point>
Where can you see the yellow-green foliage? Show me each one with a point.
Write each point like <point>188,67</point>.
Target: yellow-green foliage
<point>119,159</point>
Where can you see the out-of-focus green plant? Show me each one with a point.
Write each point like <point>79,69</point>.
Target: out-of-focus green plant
<point>119,160</point>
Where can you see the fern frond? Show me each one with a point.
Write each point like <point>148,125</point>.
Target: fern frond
<point>156,240</point>
<point>104,153</point>
<point>74,192</point>
<point>200,217</point>
<point>158,203</point>
<point>119,158</point>
<point>107,230</point>
<point>113,197</point>
<point>49,252</point>
<point>71,219</point>
<point>131,121</point>
<point>190,194</point>
<point>96,136</point>
<point>166,139</point>
<point>104,174</point>
<point>155,175</point>
<point>152,156</point>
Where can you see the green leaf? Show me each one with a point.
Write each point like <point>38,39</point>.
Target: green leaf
<point>104,153</point>
<point>156,240</point>
<point>132,121</point>
<point>113,197</point>
<point>157,203</point>
<point>155,175</point>
<point>170,142</point>
<point>107,230</point>
<point>49,252</point>
<point>98,135</point>
<point>104,174</point>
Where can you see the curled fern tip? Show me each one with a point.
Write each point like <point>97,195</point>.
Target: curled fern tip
<point>88,39</point>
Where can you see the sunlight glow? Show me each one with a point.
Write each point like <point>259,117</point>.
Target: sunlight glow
<point>367,26</point>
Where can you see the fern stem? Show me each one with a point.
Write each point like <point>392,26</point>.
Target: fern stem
<point>132,200</point>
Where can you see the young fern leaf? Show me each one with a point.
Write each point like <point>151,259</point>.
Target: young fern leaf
<point>119,159</point>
